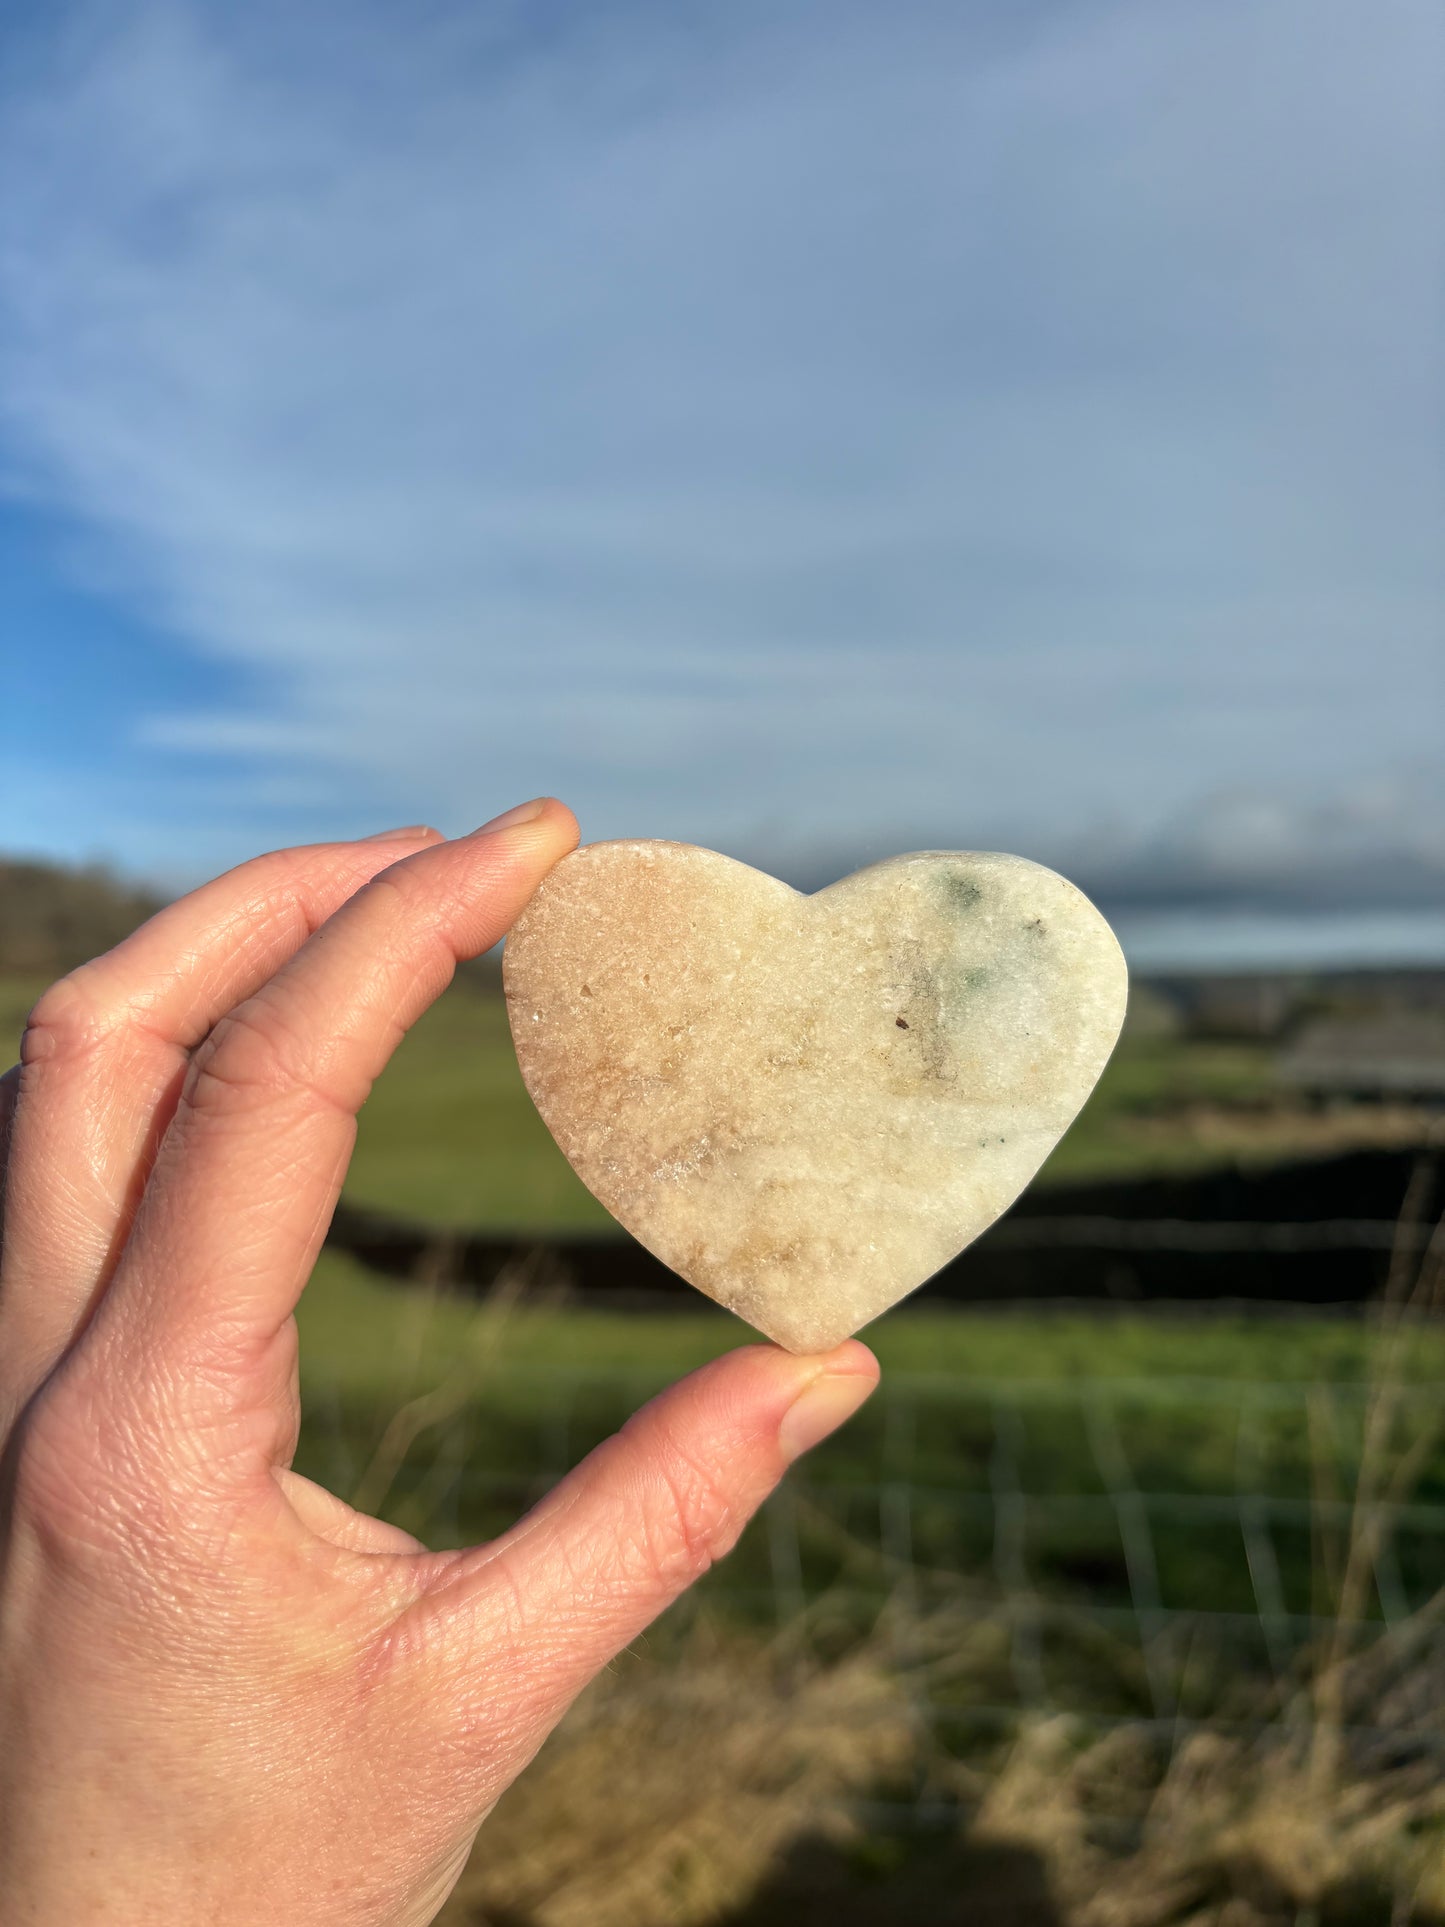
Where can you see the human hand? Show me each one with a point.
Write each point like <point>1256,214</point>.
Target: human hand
<point>225,1696</point>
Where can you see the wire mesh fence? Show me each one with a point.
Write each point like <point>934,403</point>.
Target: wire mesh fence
<point>1231,1556</point>
<point>1147,1544</point>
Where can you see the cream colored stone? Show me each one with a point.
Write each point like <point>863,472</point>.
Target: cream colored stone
<point>807,1104</point>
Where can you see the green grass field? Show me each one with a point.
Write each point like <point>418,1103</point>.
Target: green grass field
<point>381,1342</point>
<point>450,1136</point>
<point>451,1418</point>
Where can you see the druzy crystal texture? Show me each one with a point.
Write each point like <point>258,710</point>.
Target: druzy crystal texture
<point>807,1104</point>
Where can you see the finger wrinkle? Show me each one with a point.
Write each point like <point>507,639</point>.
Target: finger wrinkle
<point>675,1533</point>
<point>261,929</point>
<point>462,899</point>
<point>64,1021</point>
<point>218,1089</point>
<point>254,940</point>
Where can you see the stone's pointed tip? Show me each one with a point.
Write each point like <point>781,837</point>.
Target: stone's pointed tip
<point>806,1106</point>
<point>804,1342</point>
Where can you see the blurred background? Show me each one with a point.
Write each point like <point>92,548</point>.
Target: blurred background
<point>820,431</point>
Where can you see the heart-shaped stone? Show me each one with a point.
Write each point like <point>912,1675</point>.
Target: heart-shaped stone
<point>807,1104</point>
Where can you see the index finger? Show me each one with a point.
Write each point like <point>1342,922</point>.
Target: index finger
<point>247,1177</point>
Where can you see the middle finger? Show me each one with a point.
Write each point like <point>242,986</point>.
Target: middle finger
<point>103,1058</point>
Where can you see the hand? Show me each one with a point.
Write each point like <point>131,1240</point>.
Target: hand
<point>225,1697</point>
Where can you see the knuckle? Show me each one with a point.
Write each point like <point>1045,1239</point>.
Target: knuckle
<point>249,1059</point>
<point>416,899</point>
<point>690,1521</point>
<point>78,1478</point>
<point>402,888</point>
<point>294,888</point>
<point>64,1023</point>
<point>106,1484</point>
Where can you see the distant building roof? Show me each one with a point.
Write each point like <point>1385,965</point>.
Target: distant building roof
<point>1399,1055</point>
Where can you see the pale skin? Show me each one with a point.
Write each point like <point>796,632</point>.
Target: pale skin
<point>225,1696</point>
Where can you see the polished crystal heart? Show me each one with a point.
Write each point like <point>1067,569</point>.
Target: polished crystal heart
<point>807,1104</point>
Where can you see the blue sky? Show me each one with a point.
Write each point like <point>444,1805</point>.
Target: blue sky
<point>809,428</point>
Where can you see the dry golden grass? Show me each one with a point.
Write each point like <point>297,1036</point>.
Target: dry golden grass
<point>679,1797</point>
<point>749,1783</point>
<point>668,1795</point>
<point>1229,1831</point>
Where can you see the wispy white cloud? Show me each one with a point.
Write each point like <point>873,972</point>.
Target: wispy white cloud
<point>801,424</point>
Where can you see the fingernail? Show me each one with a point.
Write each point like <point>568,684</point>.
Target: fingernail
<point>402,835</point>
<point>821,1409</point>
<point>523,813</point>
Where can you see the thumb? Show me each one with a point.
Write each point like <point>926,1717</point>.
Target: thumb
<point>547,1605</point>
